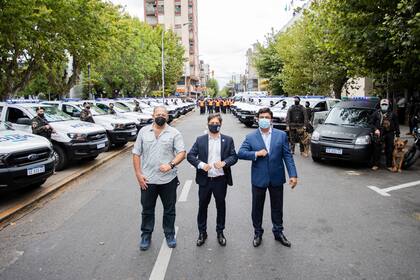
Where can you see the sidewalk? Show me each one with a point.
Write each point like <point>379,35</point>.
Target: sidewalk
<point>16,202</point>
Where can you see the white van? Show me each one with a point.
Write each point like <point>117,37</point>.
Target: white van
<point>72,139</point>
<point>25,159</point>
<point>120,130</point>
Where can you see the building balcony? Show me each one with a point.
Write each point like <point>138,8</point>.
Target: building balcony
<point>150,10</point>
<point>152,20</point>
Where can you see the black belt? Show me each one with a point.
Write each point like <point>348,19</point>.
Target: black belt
<point>218,178</point>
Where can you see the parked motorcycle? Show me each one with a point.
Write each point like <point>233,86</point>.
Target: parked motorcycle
<point>414,153</point>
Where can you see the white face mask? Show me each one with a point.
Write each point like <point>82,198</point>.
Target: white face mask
<point>384,108</point>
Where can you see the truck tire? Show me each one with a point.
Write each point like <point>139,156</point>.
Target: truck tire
<point>61,158</point>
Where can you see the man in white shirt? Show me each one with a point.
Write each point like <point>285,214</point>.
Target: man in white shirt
<point>212,155</point>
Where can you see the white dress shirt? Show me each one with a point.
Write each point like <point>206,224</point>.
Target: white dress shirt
<point>214,155</point>
<point>267,141</point>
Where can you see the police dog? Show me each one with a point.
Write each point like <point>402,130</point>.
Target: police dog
<point>306,142</point>
<point>398,154</point>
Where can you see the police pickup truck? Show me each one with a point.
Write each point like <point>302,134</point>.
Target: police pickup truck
<point>119,130</point>
<point>346,133</point>
<point>72,139</point>
<point>25,159</point>
<point>121,110</point>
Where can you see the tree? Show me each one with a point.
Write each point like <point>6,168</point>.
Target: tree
<point>269,64</point>
<point>212,87</point>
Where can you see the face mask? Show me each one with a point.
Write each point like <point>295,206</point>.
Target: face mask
<point>41,115</point>
<point>384,108</point>
<point>264,123</point>
<point>214,128</point>
<point>296,102</point>
<point>160,121</point>
<point>88,107</point>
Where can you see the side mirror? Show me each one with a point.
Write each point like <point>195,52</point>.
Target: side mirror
<point>24,121</point>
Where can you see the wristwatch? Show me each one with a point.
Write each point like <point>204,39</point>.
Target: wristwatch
<point>172,164</point>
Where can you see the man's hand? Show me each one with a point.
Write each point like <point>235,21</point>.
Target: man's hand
<point>293,182</point>
<point>142,181</point>
<point>262,153</point>
<point>207,167</point>
<point>219,164</point>
<point>164,168</point>
<point>377,133</point>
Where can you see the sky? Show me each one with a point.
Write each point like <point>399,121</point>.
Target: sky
<point>227,28</point>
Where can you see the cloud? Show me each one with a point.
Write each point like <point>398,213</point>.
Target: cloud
<point>227,28</point>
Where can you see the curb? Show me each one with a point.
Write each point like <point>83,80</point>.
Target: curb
<point>11,212</point>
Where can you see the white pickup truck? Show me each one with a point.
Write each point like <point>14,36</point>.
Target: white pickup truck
<point>25,159</point>
<point>71,139</point>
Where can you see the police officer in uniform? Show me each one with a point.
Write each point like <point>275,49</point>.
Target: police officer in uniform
<point>40,125</point>
<point>202,106</point>
<point>136,106</point>
<point>111,109</point>
<point>297,121</point>
<point>85,114</point>
<point>386,128</point>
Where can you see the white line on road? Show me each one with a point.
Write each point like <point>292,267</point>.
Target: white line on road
<point>385,192</point>
<point>162,261</point>
<point>185,190</point>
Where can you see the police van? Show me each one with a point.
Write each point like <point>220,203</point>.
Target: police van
<point>346,133</point>
<point>72,139</point>
<point>120,130</point>
<point>25,159</point>
<point>121,110</point>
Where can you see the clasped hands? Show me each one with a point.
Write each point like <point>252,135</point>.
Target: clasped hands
<point>216,165</point>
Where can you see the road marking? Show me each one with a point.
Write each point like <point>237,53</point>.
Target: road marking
<point>162,261</point>
<point>185,190</point>
<point>385,192</point>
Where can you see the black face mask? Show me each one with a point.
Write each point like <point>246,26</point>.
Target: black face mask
<point>296,102</point>
<point>214,128</point>
<point>160,121</point>
<point>88,107</point>
<point>41,115</point>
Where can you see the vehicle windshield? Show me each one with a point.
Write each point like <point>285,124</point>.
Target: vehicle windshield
<point>121,108</point>
<point>52,114</point>
<point>349,117</point>
<point>128,104</point>
<point>95,110</point>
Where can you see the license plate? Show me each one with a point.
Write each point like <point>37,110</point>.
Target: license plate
<point>100,146</point>
<point>133,133</point>
<point>334,151</point>
<point>36,170</point>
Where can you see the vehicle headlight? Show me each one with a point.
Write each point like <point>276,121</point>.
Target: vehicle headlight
<point>117,125</point>
<point>315,136</point>
<point>3,159</point>
<point>418,130</point>
<point>77,136</point>
<point>363,140</point>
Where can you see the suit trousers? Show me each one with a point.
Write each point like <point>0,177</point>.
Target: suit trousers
<point>218,188</point>
<point>276,203</point>
<point>167,193</point>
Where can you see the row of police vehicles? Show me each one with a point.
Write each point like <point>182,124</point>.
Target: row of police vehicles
<point>342,128</point>
<point>28,160</point>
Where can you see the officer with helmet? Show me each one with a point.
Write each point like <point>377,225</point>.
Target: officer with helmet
<point>297,121</point>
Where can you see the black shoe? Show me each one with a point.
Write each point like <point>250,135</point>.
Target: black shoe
<point>257,240</point>
<point>145,242</point>
<point>201,238</point>
<point>282,239</point>
<point>221,238</point>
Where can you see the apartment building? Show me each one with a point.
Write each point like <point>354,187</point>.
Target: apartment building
<point>181,17</point>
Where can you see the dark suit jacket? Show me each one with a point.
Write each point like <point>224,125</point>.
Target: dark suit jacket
<point>269,170</point>
<point>199,153</point>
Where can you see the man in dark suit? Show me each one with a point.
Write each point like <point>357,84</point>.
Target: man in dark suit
<point>269,151</point>
<point>212,155</point>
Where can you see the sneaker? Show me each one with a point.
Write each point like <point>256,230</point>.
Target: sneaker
<point>171,241</point>
<point>145,242</point>
<point>375,168</point>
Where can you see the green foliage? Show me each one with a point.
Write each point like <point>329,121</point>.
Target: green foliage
<point>212,87</point>
<point>40,39</point>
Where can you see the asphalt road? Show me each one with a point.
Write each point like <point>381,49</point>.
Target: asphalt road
<point>339,228</point>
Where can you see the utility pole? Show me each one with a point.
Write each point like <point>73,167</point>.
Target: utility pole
<point>163,63</point>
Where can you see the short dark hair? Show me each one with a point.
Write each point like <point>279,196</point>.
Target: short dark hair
<point>263,111</point>
<point>213,116</point>
<point>39,108</point>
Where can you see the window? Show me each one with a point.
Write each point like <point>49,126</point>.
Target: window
<point>68,109</point>
<point>14,114</point>
<point>177,8</point>
<point>320,107</point>
<point>102,106</point>
<point>1,109</point>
